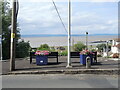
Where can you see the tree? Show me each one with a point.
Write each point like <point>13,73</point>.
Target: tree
<point>22,47</point>
<point>79,46</point>
<point>6,31</point>
<point>101,47</point>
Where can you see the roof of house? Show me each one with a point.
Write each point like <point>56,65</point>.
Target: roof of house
<point>118,45</point>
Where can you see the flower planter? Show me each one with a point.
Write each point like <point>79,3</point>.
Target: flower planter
<point>41,60</point>
<point>83,59</point>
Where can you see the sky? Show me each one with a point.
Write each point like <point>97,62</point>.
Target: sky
<point>92,17</point>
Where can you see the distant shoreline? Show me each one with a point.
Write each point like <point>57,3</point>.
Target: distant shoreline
<point>36,41</point>
<point>64,35</point>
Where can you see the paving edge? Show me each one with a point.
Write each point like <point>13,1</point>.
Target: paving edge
<point>70,71</point>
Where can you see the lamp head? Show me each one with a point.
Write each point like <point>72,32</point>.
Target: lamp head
<point>86,32</point>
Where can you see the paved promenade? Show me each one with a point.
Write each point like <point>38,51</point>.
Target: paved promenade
<point>104,66</point>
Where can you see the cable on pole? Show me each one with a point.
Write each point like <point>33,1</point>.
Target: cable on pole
<point>59,15</point>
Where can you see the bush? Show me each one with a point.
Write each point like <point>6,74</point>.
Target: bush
<point>52,49</point>
<point>99,55</point>
<point>22,49</point>
<point>44,47</point>
<point>79,47</point>
<point>101,47</point>
<point>63,53</point>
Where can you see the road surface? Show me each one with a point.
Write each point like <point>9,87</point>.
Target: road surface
<point>59,81</point>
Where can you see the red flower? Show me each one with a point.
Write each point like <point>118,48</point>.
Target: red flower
<point>86,52</point>
<point>38,52</point>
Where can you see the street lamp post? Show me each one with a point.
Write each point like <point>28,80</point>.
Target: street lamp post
<point>86,40</point>
<point>69,35</point>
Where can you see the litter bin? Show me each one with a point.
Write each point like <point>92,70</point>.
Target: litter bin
<point>41,60</point>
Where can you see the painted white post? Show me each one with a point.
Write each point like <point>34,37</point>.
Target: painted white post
<point>107,47</point>
<point>1,47</point>
<point>69,35</point>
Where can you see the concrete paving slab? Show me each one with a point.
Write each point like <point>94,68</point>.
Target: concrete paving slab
<point>104,66</point>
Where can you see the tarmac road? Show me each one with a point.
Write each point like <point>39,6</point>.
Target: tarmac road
<point>60,81</point>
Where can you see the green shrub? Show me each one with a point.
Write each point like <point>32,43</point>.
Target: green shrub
<point>99,55</point>
<point>101,47</point>
<point>52,49</point>
<point>63,53</point>
<point>44,47</point>
<point>22,49</point>
<point>79,46</point>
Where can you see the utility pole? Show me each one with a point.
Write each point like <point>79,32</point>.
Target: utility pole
<point>69,35</point>
<point>13,35</point>
<point>86,40</point>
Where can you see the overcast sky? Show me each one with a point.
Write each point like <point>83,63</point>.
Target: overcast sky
<point>94,17</point>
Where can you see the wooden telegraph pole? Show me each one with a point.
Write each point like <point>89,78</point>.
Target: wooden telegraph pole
<point>13,35</point>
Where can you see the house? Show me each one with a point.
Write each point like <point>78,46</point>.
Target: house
<point>115,46</point>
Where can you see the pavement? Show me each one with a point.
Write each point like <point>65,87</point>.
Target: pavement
<point>104,66</point>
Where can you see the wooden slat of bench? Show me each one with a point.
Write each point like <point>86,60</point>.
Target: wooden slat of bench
<point>75,57</point>
<point>53,54</point>
<point>75,54</point>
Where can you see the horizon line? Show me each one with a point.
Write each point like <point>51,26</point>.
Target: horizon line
<point>38,35</point>
<point>71,34</point>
